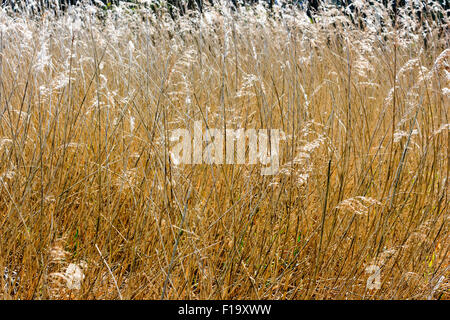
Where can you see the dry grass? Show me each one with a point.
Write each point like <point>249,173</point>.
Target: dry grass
<point>91,206</point>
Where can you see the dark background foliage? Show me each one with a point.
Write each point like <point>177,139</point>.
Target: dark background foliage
<point>180,7</point>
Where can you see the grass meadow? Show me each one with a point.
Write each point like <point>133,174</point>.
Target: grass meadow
<point>93,204</point>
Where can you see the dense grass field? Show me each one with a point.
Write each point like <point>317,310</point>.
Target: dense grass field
<point>95,205</point>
